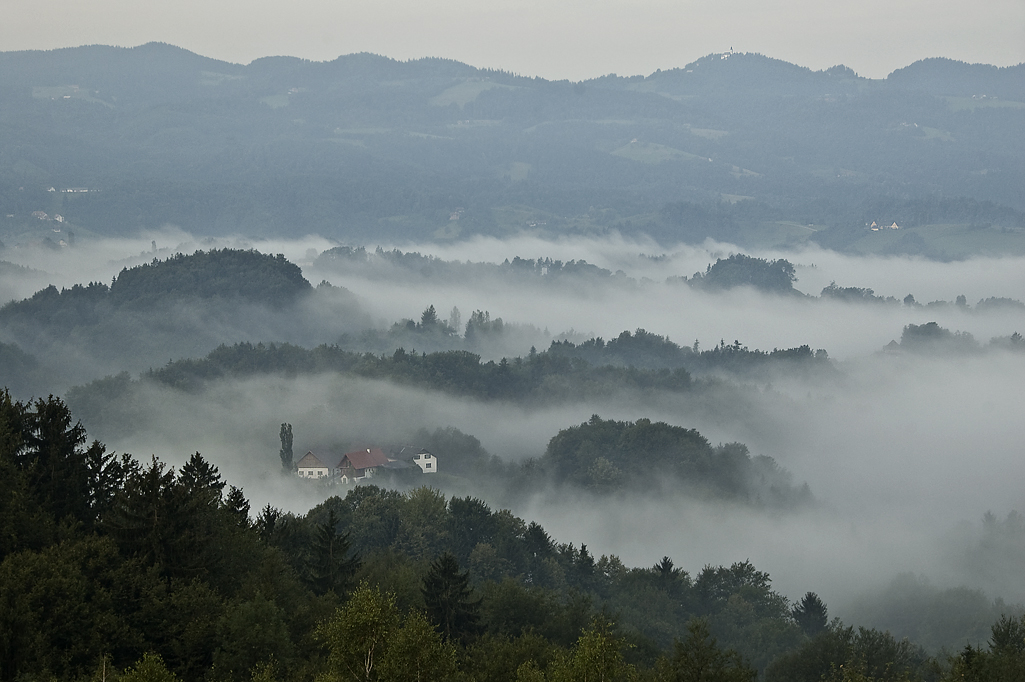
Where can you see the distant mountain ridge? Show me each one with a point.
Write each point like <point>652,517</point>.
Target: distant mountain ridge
<point>364,147</point>
<point>157,59</point>
<point>940,76</point>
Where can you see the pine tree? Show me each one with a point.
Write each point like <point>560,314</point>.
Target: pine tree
<point>810,614</point>
<point>447,595</point>
<point>329,567</point>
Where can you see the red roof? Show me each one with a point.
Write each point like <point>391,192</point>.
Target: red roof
<point>364,459</point>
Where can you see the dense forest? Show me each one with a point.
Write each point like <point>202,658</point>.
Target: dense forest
<point>115,568</point>
<point>183,305</point>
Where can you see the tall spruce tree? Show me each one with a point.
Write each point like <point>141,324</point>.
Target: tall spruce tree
<point>449,601</point>
<point>810,614</point>
<point>329,567</point>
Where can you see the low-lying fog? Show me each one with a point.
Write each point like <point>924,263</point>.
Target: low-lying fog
<point>674,310</point>
<point>905,459</point>
<point>905,453</point>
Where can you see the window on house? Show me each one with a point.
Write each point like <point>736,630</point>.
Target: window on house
<point>428,465</point>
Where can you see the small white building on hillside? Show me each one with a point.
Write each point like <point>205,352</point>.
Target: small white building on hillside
<point>427,462</point>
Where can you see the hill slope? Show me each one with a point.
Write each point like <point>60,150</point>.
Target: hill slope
<point>366,146</point>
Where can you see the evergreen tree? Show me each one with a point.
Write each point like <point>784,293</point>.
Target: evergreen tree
<point>450,606</point>
<point>54,459</point>
<point>237,506</point>
<point>329,567</point>
<point>810,614</point>
<point>198,476</point>
<point>429,318</point>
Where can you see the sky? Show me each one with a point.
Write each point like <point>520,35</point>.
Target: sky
<point>554,39</point>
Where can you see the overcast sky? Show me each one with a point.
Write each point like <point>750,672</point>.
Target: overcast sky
<point>555,39</point>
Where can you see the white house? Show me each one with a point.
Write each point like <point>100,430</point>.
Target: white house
<point>427,462</point>
<point>310,466</point>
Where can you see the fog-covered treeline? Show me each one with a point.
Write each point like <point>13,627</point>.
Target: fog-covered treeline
<point>110,564</point>
<point>628,442</point>
<point>180,306</point>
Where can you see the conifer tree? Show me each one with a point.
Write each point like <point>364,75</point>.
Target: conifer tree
<point>329,566</point>
<point>810,614</point>
<point>449,601</point>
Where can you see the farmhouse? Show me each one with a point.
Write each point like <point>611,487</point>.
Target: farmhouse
<point>310,466</point>
<point>361,464</point>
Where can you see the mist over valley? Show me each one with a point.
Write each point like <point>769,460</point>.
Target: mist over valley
<point>649,383</point>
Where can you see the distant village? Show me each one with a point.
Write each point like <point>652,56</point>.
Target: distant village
<point>360,465</point>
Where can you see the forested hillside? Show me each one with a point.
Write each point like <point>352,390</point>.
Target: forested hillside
<point>108,565</point>
<point>181,306</point>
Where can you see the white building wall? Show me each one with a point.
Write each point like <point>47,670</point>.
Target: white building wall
<point>427,462</point>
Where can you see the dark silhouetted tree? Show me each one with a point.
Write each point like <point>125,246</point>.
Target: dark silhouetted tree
<point>810,614</point>
<point>286,448</point>
<point>449,601</point>
<point>329,566</point>
<point>429,318</point>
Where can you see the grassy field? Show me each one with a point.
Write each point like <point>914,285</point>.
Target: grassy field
<point>474,123</point>
<point>734,198</point>
<point>517,171</point>
<point>275,101</point>
<point>778,234</point>
<point>971,104</point>
<point>944,241</point>
<point>937,134</point>
<point>428,136</point>
<point>651,152</point>
<point>362,131</point>
<point>738,172</point>
<point>709,133</point>
<point>463,93</point>
<point>213,78</point>
<point>62,92</point>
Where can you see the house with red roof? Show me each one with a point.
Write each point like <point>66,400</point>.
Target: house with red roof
<point>361,464</point>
